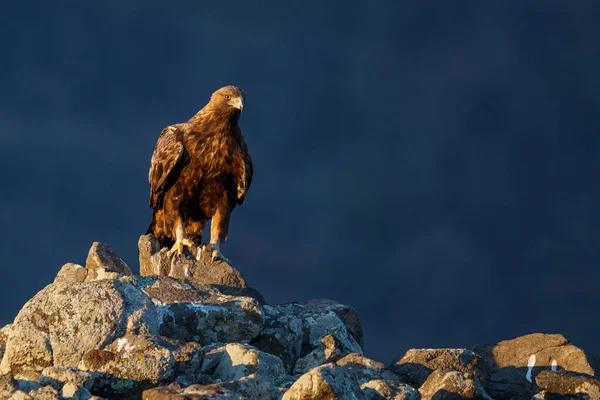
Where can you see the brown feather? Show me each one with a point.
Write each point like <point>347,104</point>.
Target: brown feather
<point>198,168</point>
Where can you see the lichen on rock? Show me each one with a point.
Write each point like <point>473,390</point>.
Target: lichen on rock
<point>202,333</point>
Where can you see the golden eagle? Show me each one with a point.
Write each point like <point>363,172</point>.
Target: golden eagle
<point>200,170</point>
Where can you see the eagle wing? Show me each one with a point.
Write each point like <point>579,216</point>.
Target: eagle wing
<point>247,170</point>
<point>168,159</point>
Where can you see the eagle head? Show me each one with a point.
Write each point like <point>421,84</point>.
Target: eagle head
<point>229,98</point>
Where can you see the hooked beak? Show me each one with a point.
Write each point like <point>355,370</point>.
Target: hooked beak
<point>237,103</point>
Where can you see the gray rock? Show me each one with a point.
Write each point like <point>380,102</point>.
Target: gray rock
<point>4,333</point>
<point>568,383</point>
<point>235,361</point>
<point>72,391</point>
<point>130,365</point>
<point>330,350</point>
<point>103,263</point>
<point>282,335</point>
<point>20,395</point>
<point>133,363</point>
<point>45,393</point>
<point>292,331</point>
<point>7,386</point>
<point>353,376</point>
<point>511,376</point>
<point>346,313</point>
<point>154,261</point>
<point>71,273</point>
<point>380,389</point>
<point>28,381</point>
<point>250,387</point>
<point>57,377</point>
<point>196,312</point>
<point>417,364</point>
<point>188,362</point>
<point>67,319</point>
<point>452,385</point>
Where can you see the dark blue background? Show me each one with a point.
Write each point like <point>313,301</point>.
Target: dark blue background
<point>434,164</point>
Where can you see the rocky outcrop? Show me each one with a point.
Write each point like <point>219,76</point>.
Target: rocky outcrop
<point>514,364</point>
<point>189,328</point>
<point>417,364</point>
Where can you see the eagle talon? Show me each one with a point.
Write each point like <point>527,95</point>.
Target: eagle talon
<point>179,247</point>
<point>216,255</point>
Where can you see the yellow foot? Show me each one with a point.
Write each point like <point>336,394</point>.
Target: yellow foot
<point>178,247</point>
<point>215,253</point>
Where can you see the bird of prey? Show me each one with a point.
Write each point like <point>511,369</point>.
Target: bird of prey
<point>200,170</point>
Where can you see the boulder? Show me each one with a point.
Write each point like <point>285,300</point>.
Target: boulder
<point>380,389</point>
<point>452,385</point>
<point>28,381</point>
<point>353,376</point>
<point>568,384</point>
<point>515,363</point>
<point>152,260</point>
<point>45,393</point>
<point>74,392</point>
<point>250,387</point>
<point>417,364</point>
<point>20,395</point>
<point>293,330</point>
<point>198,266</point>
<point>8,385</point>
<point>235,361</point>
<point>71,273</point>
<point>57,377</point>
<point>103,263</point>
<point>281,336</point>
<point>67,319</point>
<point>134,363</point>
<point>4,333</point>
<point>195,312</point>
<point>346,313</point>
<point>330,350</point>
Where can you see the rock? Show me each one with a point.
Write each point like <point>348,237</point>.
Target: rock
<point>45,393</point>
<point>4,333</point>
<point>20,395</point>
<point>67,319</point>
<point>353,376</point>
<point>196,312</point>
<point>293,330</point>
<point>417,364</point>
<point>379,389</point>
<point>365,369</point>
<point>71,273</point>
<point>188,362</point>
<point>28,381</point>
<point>452,385</point>
<point>515,363</point>
<point>235,361</point>
<point>568,383</point>
<point>330,350</point>
<point>7,386</point>
<point>151,262</point>
<point>250,387</point>
<point>281,336</point>
<point>103,263</point>
<point>72,391</point>
<point>130,365</point>
<point>154,261</point>
<point>57,377</point>
<point>346,313</point>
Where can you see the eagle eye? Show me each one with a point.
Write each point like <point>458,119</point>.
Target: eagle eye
<point>227,97</point>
